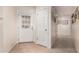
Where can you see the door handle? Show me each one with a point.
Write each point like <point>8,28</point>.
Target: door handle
<point>45,29</point>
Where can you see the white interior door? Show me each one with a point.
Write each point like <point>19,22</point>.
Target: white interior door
<point>42,26</point>
<point>26,30</point>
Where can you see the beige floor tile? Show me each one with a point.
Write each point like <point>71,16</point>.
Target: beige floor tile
<point>34,48</point>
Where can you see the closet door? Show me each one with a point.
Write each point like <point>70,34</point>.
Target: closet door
<point>42,26</point>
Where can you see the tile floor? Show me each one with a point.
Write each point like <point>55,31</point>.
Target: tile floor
<point>29,48</point>
<point>61,46</point>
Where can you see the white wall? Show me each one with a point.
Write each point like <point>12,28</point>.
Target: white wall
<point>1,11</point>
<point>1,35</point>
<point>1,29</point>
<point>64,10</point>
<point>75,36</point>
<point>9,28</point>
<point>75,32</point>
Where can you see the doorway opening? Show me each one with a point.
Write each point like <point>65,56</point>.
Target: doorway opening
<point>61,30</point>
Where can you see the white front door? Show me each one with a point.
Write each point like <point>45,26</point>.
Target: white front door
<point>26,29</point>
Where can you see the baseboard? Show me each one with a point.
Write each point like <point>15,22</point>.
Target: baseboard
<point>11,47</point>
<point>26,42</point>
